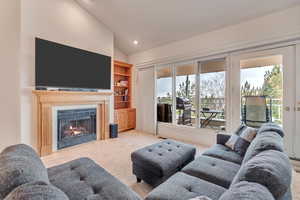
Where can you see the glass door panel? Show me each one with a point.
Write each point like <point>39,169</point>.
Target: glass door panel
<point>262,78</point>
<point>164,94</point>
<point>266,90</point>
<point>212,87</point>
<point>186,94</point>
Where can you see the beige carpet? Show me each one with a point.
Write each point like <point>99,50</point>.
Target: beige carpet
<point>114,156</point>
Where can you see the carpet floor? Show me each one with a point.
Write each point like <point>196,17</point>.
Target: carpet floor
<point>114,156</point>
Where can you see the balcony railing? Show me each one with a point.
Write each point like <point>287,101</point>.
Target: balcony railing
<point>219,104</point>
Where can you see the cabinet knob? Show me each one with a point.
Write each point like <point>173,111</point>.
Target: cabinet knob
<point>287,108</point>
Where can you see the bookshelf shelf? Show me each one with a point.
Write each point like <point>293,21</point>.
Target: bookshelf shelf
<point>125,115</point>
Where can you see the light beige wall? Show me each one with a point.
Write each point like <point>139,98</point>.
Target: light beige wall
<point>120,56</point>
<point>276,27</point>
<point>62,21</point>
<point>273,28</point>
<point>9,76</point>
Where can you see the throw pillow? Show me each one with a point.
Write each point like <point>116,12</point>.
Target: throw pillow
<point>248,134</point>
<point>232,140</point>
<point>201,198</point>
<point>240,141</point>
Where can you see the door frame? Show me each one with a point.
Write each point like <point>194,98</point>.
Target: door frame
<point>289,81</point>
<point>297,105</point>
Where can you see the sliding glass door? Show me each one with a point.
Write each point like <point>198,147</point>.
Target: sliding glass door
<point>266,90</point>
<point>192,94</point>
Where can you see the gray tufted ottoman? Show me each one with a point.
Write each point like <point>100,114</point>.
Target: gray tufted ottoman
<point>156,163</point>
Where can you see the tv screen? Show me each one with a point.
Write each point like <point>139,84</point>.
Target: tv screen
<point>61,66</point>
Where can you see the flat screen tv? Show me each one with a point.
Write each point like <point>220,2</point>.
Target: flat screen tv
<point>62,66</point>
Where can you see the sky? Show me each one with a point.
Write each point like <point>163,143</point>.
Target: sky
<point>255,76</point>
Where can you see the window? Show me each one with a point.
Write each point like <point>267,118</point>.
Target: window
<point>164,94</point>
<point>262,76</point>
<point>212,94</point>
<point>186,94</point>
<point>194,91</point>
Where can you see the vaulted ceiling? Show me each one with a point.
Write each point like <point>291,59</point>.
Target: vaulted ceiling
<point>157,22</point>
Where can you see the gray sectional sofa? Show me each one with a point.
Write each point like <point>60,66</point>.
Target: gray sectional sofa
<point>24,177</point>
<point>263,173</point>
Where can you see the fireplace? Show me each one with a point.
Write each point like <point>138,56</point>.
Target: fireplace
<point>76,126</point>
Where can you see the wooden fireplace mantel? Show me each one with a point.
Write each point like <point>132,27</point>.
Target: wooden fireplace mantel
<point>46,100</point>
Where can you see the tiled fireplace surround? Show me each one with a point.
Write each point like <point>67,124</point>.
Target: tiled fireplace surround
<point>49,102</point>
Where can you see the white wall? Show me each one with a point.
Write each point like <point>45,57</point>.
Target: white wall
<point>272,28</point>
<point>120,56</point>
<point>62,21</point>
<point>9,76</point>
<point>277,27</point>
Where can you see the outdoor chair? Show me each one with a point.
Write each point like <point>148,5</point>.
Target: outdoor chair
<point>256,111</point>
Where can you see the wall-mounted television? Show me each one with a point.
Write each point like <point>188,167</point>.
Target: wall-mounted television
<point>61,66</point>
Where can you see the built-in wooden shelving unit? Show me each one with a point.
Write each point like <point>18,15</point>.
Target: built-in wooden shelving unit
<point>125,115</point>
<point>122,85</point>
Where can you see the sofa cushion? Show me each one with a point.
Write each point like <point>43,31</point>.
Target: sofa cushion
<point>214,170</point>
<point>240,143</point>
<point>164,157</point>
<point>247,191</point>
<point>222,138</point>
<point>182,186</point>
<point>271,127</point>
<point>84,179</point>
<point>36,191</point>
<point>19,164</point>
<point>269,168</point>
<point>262,142</point>
<point>224,153</point>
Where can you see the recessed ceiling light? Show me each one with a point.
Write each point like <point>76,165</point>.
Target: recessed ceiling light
<point>88,1</point>
<point>135,42</point>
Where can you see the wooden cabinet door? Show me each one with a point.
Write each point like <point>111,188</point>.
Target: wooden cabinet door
<point>131,119</point>
<point>125,119</point>
<point>122,120</point>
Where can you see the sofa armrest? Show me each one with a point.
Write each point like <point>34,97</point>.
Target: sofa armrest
<point>222,138</point>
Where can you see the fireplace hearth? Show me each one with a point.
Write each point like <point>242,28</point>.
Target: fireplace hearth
<point>75,127</point>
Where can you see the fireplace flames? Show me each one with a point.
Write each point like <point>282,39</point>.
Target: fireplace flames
<point>73,131</point>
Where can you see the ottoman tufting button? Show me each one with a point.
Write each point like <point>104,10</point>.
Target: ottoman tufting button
<point>82,178</point>
<point>160,154</point>
<point>178,146</point>
<point>150,150</point>
<point>213,164</point>
<point>169,149</point>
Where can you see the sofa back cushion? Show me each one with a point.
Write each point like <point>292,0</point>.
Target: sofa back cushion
<point>19,164</point>
<point>247,191</point>
<point>271,127</point>
<point>269,168</point>
<point>37,191</point>
<point>268,141</point>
